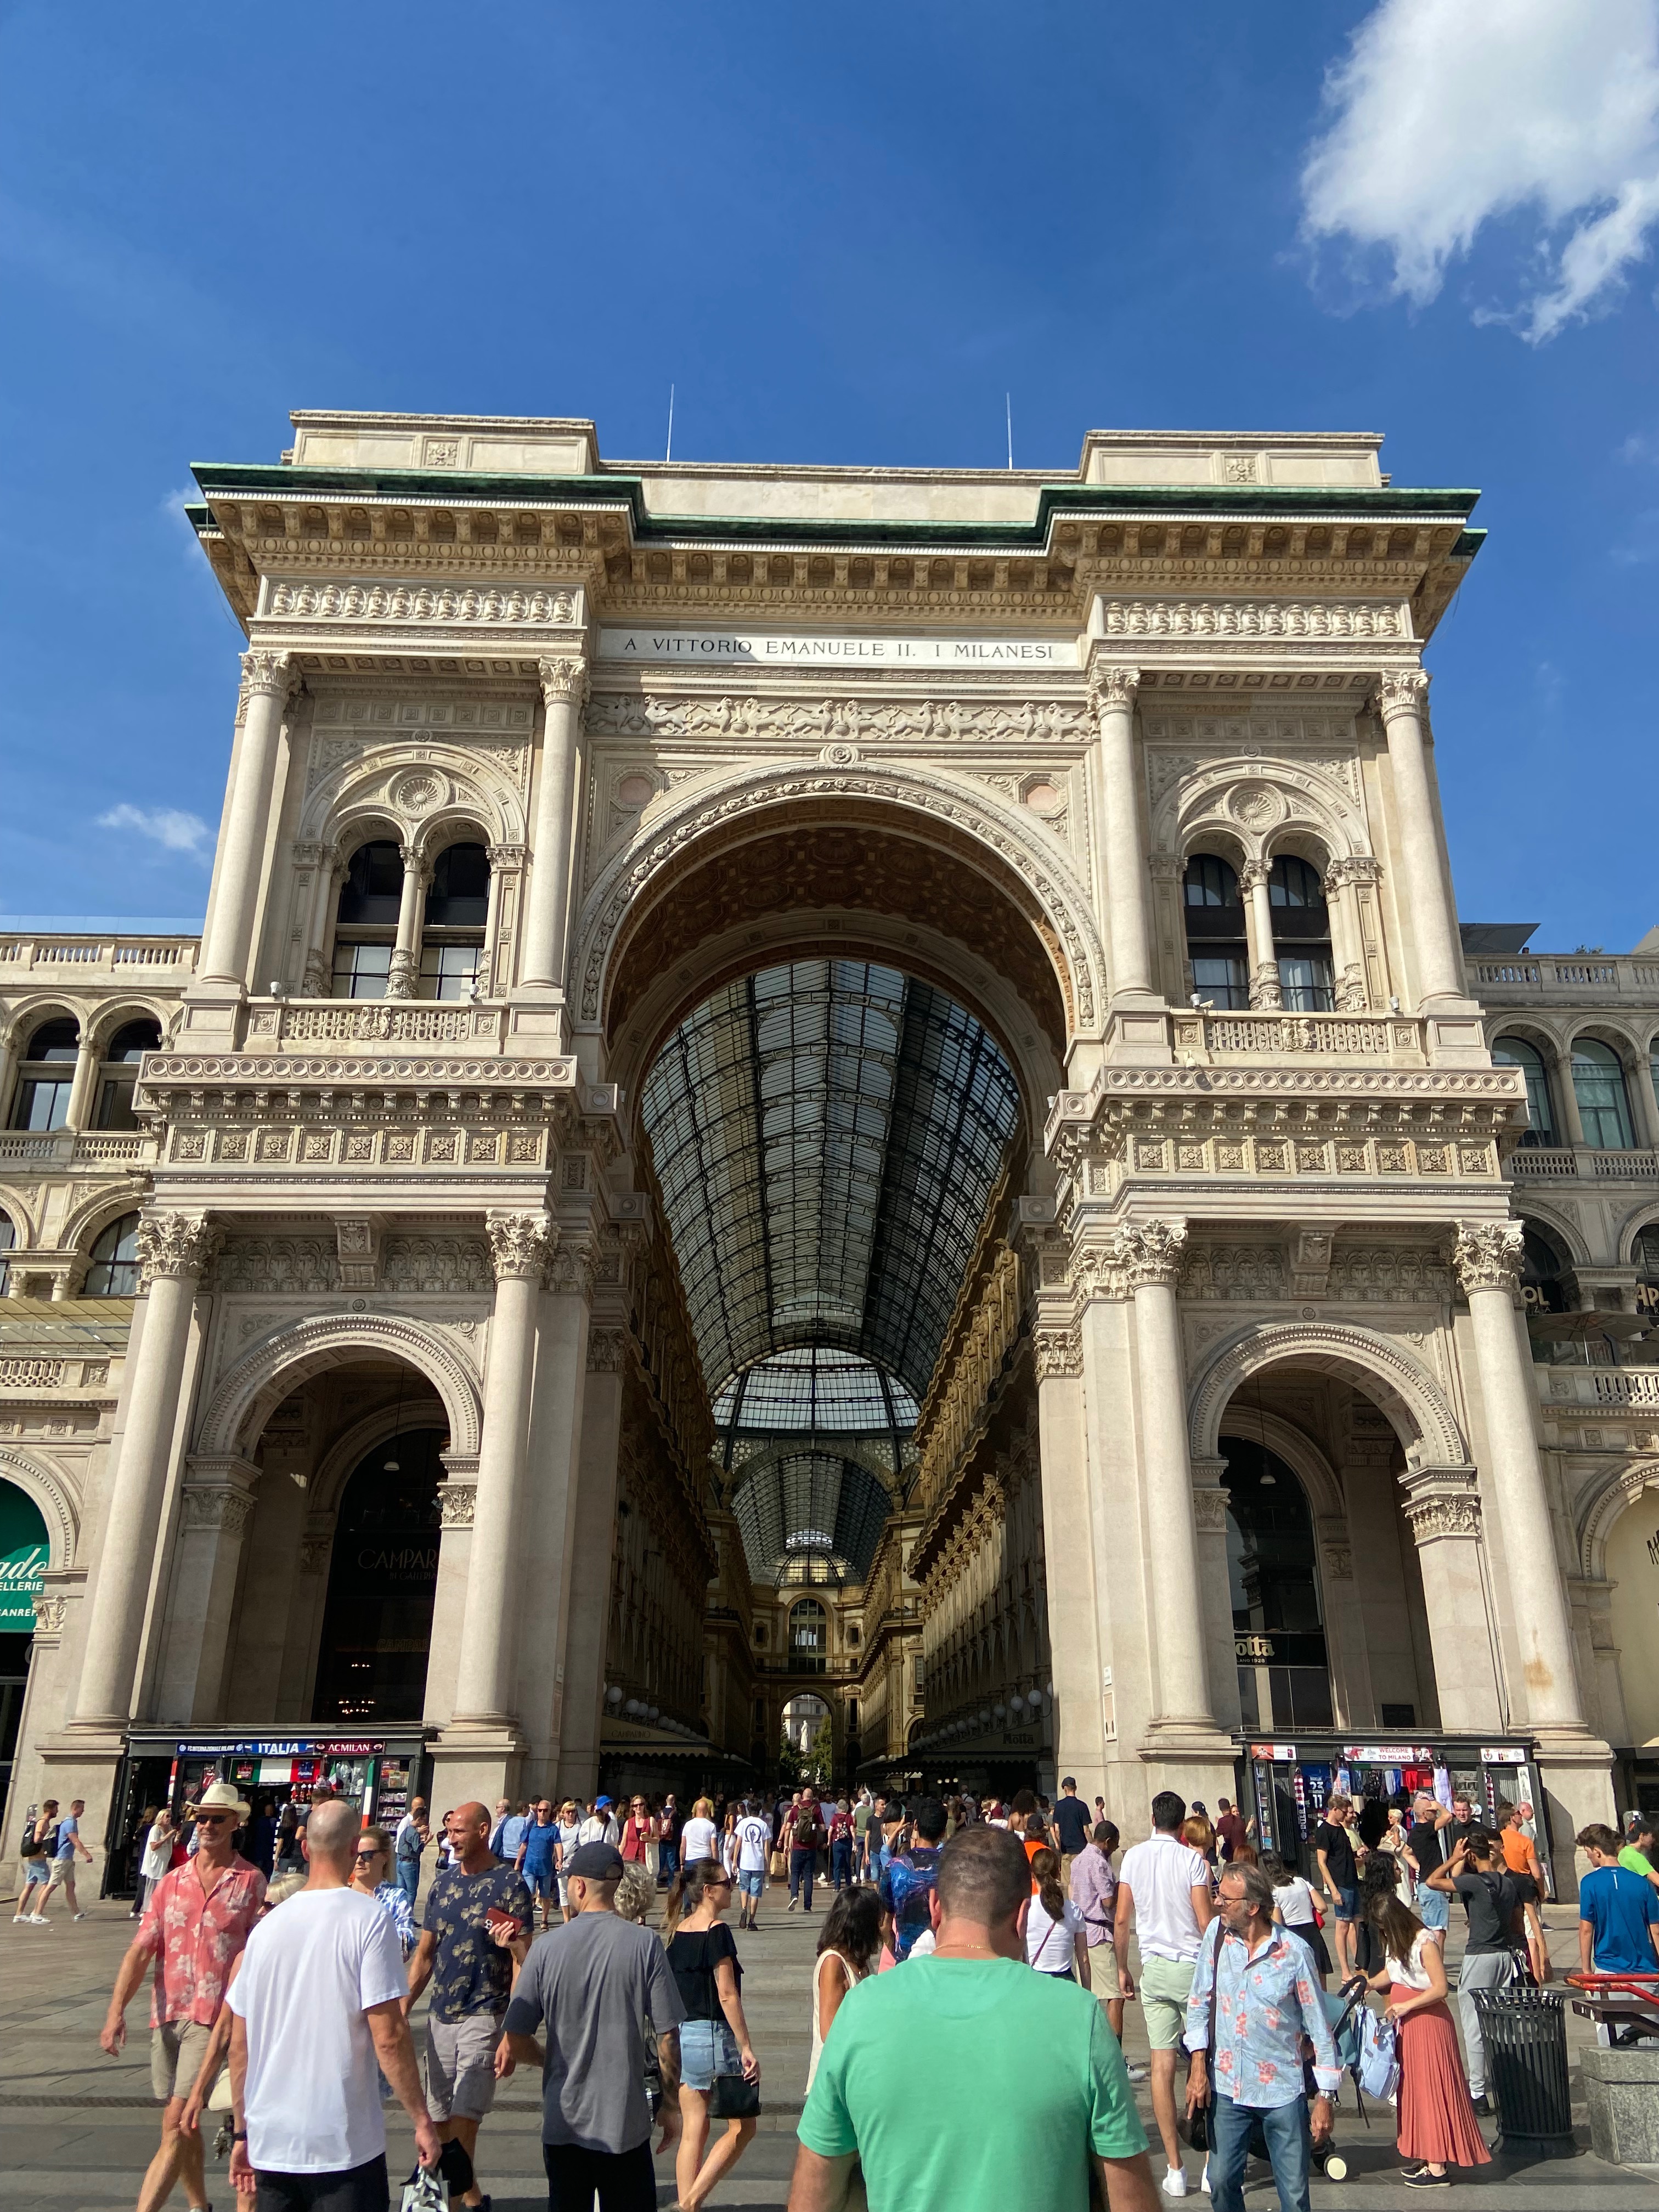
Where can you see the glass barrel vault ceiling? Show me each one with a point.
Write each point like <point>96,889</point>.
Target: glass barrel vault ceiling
<point>827,1135</point>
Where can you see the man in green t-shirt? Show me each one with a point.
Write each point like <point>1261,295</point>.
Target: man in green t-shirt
<point>1637,1856</point>
<point>964,2082</point>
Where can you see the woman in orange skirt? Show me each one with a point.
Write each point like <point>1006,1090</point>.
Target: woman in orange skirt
<point>1438,2128</point>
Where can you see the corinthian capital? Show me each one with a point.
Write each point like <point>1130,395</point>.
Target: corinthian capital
<point>563,679</point>
<point>1113,686</point>
<point>1487,1255</point>
<point>174,1244</point>
<point>1402,691</point>
<point>271,674</point>
<point>521,1244</point>
<point>1149,1251</point>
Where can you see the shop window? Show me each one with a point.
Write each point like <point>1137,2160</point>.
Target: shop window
<point>114,1270</point>
<point>45,1077</point>
<point>1646,1256</point>
<point>1278,1630</point>
<point>1515,1052</point>
<point>1301,936</point>
<point>377,1621</point>
<point>1217,950</point>
<point>1598,1083</point>
<point>809,1637</point>
<point>119,1072</point>
<point>365,928</point>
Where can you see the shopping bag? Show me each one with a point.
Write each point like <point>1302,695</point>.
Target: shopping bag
<point>424,2191</point>
<point>1379,2055</point>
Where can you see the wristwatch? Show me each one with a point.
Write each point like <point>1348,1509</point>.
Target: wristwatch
<point>239,2135</point>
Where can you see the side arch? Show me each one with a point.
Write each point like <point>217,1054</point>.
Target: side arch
<point>1261,806</point>
<point>1392,1379</point>
<point>1605,1502</point>
<point>244,1398</point>
<point>57,1505</point>
<point>927,808</point>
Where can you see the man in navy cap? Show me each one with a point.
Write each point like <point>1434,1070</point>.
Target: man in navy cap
<point>591,1985</point>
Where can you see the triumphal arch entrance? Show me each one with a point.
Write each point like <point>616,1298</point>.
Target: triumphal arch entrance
<point>845,1093</point>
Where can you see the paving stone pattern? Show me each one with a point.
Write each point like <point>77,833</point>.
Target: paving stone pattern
<point>80,2128</point>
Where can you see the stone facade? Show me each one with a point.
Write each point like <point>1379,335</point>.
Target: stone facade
<point>975,726</point>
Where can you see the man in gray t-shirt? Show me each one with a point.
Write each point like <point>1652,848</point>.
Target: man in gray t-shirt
<point>593,1984</point>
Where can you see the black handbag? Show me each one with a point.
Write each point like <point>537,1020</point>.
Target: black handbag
<point>733,2098</point>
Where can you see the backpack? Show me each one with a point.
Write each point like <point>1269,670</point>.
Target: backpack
<point>26,1846</point>
<point>1379,2054</point>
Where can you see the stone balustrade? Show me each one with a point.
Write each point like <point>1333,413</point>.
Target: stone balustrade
<point>1394,1039</point>
<point>1560,1163</point>
<point>1569,980</point>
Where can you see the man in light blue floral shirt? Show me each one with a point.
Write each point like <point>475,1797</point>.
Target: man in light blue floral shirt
<point>476,1929</point>
<point>1254,1997</point>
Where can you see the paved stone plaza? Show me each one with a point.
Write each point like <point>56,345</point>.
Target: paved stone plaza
<point>79,2128</point>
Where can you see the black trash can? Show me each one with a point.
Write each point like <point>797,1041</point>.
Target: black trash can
<point>1525,2032</point>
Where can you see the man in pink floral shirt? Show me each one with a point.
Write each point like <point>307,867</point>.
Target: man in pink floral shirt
<point>196,1921</point>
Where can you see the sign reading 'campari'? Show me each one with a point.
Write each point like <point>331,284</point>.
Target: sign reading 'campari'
<point>806,649</point>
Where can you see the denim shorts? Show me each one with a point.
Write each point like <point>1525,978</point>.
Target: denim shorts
<point>707,2047</point>
<point>1433,1907</point>
<point>1347,1902</point>
<point>752,1880</point>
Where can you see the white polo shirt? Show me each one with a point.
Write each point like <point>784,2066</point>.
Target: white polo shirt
<point>1161,1875</point>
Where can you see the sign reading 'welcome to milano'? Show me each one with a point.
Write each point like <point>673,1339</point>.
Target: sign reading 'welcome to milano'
<point>795,649</point>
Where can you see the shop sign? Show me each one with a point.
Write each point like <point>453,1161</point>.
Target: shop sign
<point>271,1747</point>
<point>1501,1754</point>
<point>1280,1754</point>
<point>1253,1650</point>
<point>1389,1754</point>
<point>23,1559</point>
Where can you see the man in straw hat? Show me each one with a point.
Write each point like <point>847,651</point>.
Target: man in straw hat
<point>196,1921</point>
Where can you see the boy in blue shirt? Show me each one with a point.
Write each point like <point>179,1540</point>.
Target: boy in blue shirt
<point>1617,1910</point>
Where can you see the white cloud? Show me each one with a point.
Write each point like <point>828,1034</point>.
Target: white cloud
<point>169,826</point>
<point>1446,114</point>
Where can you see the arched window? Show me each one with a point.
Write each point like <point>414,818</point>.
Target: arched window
<point>1543,1269</point>
<point>365,928</point>
<point>114,1270</point>
<point>7,1238</point>
<point>457,908</point>
<point>120,1072</point>
<point>1301,936</point>
<point>1598,1083</point>
<point>1646,1256</point>
<point>1515,1052</point>
<point>1653,1068</point>
<point>809,1637</point>
<point>1216,943</point>
<point>46,1077</point>
<point>1278,1630</point>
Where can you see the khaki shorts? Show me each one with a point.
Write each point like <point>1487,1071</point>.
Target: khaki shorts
<point>1165,1986</point>
<point>460,2065</point>
<point>177,2049</point>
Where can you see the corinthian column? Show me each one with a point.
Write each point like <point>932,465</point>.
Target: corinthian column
<point>1488,1259</point>
<point>1433,926</point>
<point>1149,1253</point>
<point>173,1250</point>
<point>404,973</point>
<point>268,679</point>
<point>1254,880</point>
<point>521,1246</point>
<point>1112,696</point>
<point>564,688</point>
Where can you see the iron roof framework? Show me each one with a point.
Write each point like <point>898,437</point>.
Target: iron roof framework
<point>827,1135</point>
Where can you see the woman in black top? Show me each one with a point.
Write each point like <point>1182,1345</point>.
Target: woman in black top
<point>713,2035</point>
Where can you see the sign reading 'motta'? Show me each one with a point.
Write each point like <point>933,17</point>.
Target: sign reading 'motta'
<point>713,648</point>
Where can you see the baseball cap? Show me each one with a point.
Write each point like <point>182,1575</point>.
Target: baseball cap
<point>595,1863</point>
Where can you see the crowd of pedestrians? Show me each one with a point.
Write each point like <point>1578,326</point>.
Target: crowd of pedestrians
<point>283,1995</point>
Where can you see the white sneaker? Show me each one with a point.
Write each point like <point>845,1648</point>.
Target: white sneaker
<point>78,1916</point>
<point>1175,2182</point>
<point>16,1917</point>
<point>39,1920</point>
<point>1137,2072</point>
<point>1204,2180</point>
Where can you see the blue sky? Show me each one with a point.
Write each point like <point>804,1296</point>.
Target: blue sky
<point>843,235</point>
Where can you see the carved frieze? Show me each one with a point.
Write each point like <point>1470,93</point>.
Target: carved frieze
<point>1234,1271</point>
<point>835,721</point>
<point>284,1265</point>
<point>495,607</point>
<point>607,1351</point>
<point>1338,622</point>
<point>1382,1274</point>
<point>436,1262</point>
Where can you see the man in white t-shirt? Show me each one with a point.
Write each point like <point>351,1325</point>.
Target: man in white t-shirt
<point>1164,1886</point>
<point>317,2001</point>
<point>754,1847</point>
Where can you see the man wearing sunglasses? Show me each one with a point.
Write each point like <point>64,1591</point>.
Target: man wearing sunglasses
<point>197,1920</point>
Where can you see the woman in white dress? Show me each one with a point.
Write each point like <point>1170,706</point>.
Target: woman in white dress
<point>849,1944</point>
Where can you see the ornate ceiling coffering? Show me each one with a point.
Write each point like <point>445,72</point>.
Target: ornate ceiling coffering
<point>827,1135</point>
